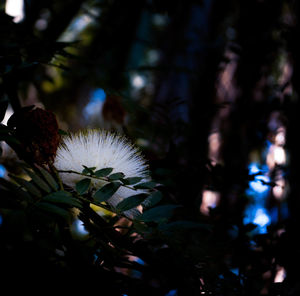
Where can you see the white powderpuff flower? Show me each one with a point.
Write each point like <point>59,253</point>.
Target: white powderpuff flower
<point>101,149</point>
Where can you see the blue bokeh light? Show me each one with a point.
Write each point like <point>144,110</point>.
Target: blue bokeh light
<point>172,293</point>
<point>94,106</point>
<point>258,184</point>
<point>259,216</point>
<point>253,168</point>
<point>2,171</point>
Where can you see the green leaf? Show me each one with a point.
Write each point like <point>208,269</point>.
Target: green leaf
<point>131,180</point>
<point>145,185</point>
<point>153,199</point>
<point>88,171</point>
<point>38,181</point>
<point>62,132</point>
<point>131,202</point>
<point>15,189</point>
<point>158,214</point>
<point>62,197</point>
<point>103,172</point>
<point>48,177</point>
<point>27,185</point>
<point>83,185</point>
<point>116,176</point>
<point>53,209</point>
<point>105,192</point>
<point>9,139</point>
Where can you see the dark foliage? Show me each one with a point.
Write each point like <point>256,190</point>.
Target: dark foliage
<point>209,91</point>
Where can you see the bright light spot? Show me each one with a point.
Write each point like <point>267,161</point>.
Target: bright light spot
<point>278,190</point>
<point>15,8</point>
<point>253,168</point>
<point>79,24</point>
<point>95,105</point>
<point>280,275</point>
<point>258,186</point>
<point>261,218</point>
<point>210,199</point>
<point>2,171</point>
<point>257,215</point>
<point>279,155</point>
<point>138,81</point>
<point>276,155</point>
<point>79,228</point>
<point>8,114</point>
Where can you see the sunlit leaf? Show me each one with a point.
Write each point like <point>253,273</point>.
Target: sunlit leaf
<point>105,192</point>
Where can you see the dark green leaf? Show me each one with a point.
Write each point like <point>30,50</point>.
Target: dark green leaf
<point>48,177</point>
<point>38,181</point>
<point>9,139</point>
<point>158,214</point>
<point>15,189</point>
<point>153,199</point>
<point>53,209</point>
<point>62,197</point>
<point>88,171</point>
<point>145,185</point>
<point>62,132</point>
<point>131,180</point>
<point>116,176</point>
<point>105,192</point>
<point>131,202</point>
<point>83,185</point>
<point>140,227</point>
<point>27,185</point>
<point>103,172</point>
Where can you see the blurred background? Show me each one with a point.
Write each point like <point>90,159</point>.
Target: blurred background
<point>208,89</point>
